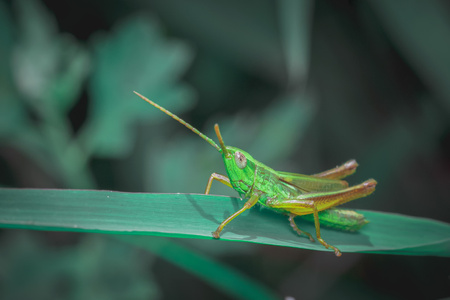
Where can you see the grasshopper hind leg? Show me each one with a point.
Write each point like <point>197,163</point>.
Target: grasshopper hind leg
<point>315,202</point>
<point>337,252</point>
<point>339,172</point>
<point>296,229</point>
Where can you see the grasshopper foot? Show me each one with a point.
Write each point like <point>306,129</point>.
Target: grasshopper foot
<point>215,234</point>
<point>337,252</point>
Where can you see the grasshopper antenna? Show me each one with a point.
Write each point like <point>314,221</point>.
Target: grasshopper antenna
<point>219,136</point>
<point>195,130</point>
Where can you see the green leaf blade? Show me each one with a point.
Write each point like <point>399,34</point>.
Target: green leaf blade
<point>196,216</point>
<point>135,56</point>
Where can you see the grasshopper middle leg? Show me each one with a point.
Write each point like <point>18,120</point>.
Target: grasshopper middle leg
<point>296,229</point>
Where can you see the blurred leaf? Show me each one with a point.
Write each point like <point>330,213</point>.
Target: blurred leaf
<point>421,31</point>
<point>222,277</point>
<point>195,216</point>
<point>406,138</point>
<point>134,57</point>
<point>49,68</point>
<point>242,32</point>
<point>12,116</point>
<point>96,268</point>
<point>283,126</point>
<point>12,111</point>
<point>296,23</point>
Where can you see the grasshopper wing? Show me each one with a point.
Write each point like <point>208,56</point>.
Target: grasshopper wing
<point>311,184</point>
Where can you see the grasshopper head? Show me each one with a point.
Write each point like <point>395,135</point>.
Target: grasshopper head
<point>239,164</point>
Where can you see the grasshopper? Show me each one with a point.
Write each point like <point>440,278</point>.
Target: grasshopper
<point>287,193</point>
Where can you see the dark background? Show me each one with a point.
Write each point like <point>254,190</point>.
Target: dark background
<point>302,86</point>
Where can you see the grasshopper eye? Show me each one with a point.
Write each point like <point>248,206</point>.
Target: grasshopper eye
<point>240,159</point>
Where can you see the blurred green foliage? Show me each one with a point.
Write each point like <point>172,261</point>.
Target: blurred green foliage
<point>134,57</point>
<point>301,85</point>
<point>94,268</point>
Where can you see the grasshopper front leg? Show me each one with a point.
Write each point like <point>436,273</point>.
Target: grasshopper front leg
<point>219,177</point>
<point>249,204</point>
<point>312,203</point>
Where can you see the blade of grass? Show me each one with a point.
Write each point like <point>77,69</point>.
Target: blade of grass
<point>295,19</point>
<point>420,30</point>
<point>195,216</point>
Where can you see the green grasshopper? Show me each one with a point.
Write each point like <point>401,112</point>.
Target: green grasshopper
<point>287,193</point>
